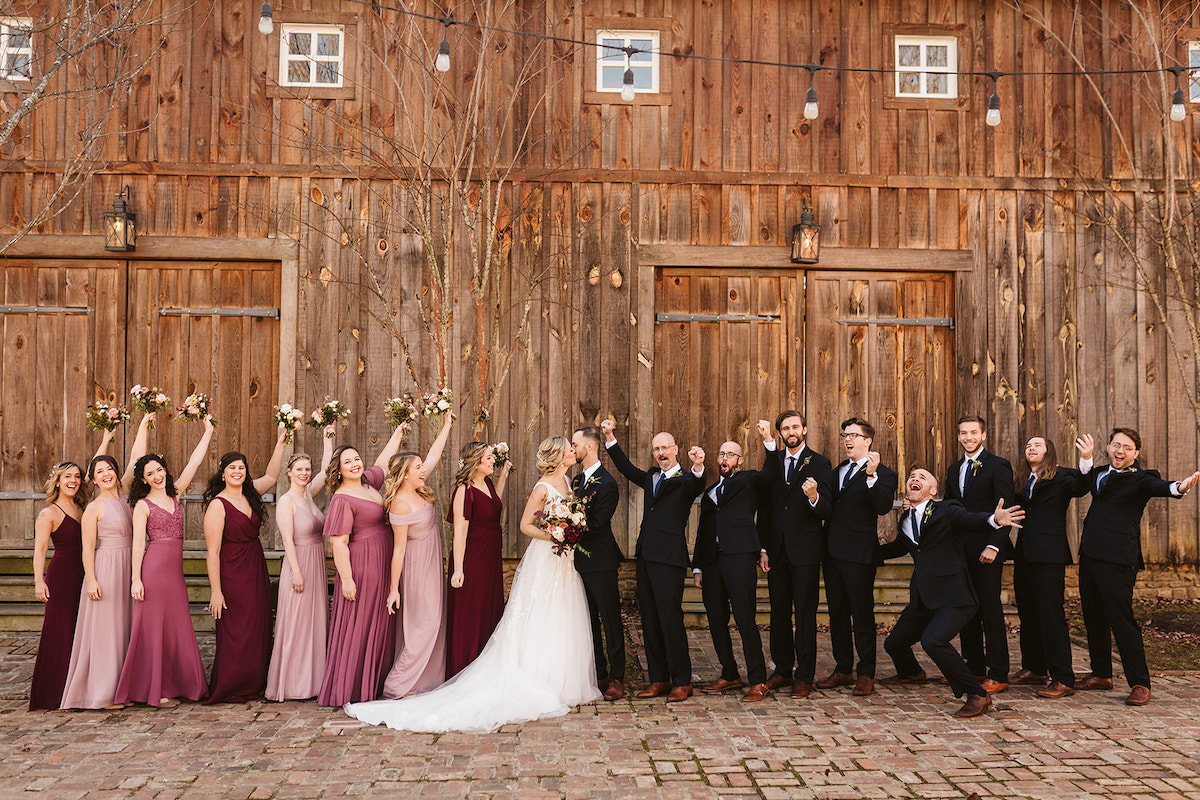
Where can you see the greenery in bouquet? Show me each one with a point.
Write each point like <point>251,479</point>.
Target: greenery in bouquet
<point>289,417</point>
<point>565,521</point>
<point>329,412</point>
<point>400,410</point>
<point>103,417</point>
<point>500,451</point>
<point>149,399</point>
<point>439,403</point>
<point>195,408</point>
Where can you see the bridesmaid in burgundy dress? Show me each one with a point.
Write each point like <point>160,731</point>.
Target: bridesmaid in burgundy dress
<point>475,601</point>
<point>163,661</point>
<point>240,599</point>
<point>59,589</point>
<point>361,632</point>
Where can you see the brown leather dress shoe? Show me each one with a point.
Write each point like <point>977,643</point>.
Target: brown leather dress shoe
<point>864,686</point>
<point>835,679</point>
<point>1055,690</point>
<point>680,693</point>
<point>993,687</point>
<point>1138,696</point>
<point>777,682</point>
<point>1027,677</point>
<point>801,689</point>
<point>1092,683</point>
<point>655,689</point>
<point>974,706</point>
<point>602,684</point>
<point>721,685</point>
<point>904,680</point>
<point>758,691</point>
<point>615,691</point>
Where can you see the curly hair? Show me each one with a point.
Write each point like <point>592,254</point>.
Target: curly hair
<point>469,457</point>
<point>551,452</point>
<point>52,488</point>
<point>141,488</point>
<point>333,473</point>
<point>216,485</point>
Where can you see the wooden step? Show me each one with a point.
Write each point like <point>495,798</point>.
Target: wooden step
<point>17,617</point>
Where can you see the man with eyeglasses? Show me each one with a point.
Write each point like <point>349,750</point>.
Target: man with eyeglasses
<point>1110,555</point>
<point>725,565</point>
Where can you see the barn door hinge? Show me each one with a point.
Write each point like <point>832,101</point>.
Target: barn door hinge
<point>716,318</point>
<point>935,322</point>
<point>45,310</point>
<point>273,313</point>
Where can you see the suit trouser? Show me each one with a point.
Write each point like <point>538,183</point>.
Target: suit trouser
<point>1106,594</point>
<point>794,589</point>
<point>987,624</point>
<point>732,581</point>
<point>604,608</point>
<point>1045,638</point>
<point>660,599</point>
<point>934,629</point>
<point>850,592</point>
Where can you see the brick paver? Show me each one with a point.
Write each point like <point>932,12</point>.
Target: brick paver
<point>893,744</point>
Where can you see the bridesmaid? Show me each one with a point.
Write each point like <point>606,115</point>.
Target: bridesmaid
<point>105,607</point>
<point>59,589</point>
<point>361,633</point>
<point>298,660</point>
<point>237,577</point>
<point>475,601</point>
<point>416,573</point>
<point>163,661</point>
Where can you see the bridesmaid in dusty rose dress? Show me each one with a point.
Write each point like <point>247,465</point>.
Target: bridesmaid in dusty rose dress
<point>163,661</point>
<point>105,607</point>
<point>298,659</point>
<point>417,567</point>
<point>59,589</point>
<point>475,601</point>
<point>361,632</point>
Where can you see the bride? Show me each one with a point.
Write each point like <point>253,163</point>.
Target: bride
<point>539,662</point>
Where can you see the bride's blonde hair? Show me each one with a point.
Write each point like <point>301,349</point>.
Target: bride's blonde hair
<point>551,452</point>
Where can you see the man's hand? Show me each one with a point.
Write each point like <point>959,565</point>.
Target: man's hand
<point>764,430</point>
<point>810,489</point>
<point>696,579</point>
<point>696,455</point>
<point>987,556</point>
<point>606,427</point>
<point>1187,483</point>
<point>764,563</point>
<point>872,463</point>
<point>1008,517</point>
<point>1086,445</point>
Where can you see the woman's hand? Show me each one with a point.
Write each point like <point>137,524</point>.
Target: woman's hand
<point>93,589</point>
<point>137,591</point>
<point>349,590</point>
<point>456,580</point>
<point>393,601</point>
<point>297,583</point>
<point>41,591</point>
<point>216,604</point>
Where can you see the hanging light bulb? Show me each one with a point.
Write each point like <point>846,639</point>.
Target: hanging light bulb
<point>993,112</point>
<point>442,62</point>
<point>811,109</point>
<point>627,90</point>
<point>266,21</point>
<point>1178,109</point>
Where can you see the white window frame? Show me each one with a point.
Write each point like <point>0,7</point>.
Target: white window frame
<point>7,25</point>
<point>286,57</point>
<point>639,66</point>
<point>923,70</point>
<point>1193,75</point>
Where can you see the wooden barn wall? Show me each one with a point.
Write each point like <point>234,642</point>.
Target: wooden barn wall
<point>1054,335</point>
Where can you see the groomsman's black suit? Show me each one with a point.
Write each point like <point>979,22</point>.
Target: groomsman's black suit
<point>1040,560</point>
<point>598,570</point>
<point>986,485</point>
<point>662,560</point>
<point>941,598</point>
<point>852,553</point>
<point>1110,555</point>
<point>727,550</point>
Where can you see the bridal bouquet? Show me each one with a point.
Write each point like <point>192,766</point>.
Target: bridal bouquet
<point>289,417</point>
<point>566,522</point>
<point>438,403</point>
<point>329,412</point>
<point>149,399</point>
<point>103,417</point>
<point>194,408</point>
<point>400,410</point>
<point>500,451</point>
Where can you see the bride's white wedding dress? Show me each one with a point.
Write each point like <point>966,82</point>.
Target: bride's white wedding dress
<point>538,663</point>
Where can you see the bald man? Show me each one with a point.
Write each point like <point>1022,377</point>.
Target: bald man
<point>662,558</point>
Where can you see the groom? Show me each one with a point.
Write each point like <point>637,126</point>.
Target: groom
<point>662,558</point>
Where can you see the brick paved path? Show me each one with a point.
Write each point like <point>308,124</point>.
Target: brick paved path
<point>892,744</point>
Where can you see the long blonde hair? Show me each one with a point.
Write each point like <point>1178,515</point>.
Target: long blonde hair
<point>551,452</point>
<point>469,457</point>
<point>53,490</point>
<point>398,467</point>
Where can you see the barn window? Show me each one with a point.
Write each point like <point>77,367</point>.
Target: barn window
<point>610,67</point>
<point>1194,71</point>
<point>16,49</point>
<point>926,66</point>
<point>311,55</point>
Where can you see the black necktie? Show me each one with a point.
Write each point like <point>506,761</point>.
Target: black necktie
<point>967,473</point>
<point>1104,479</point>
<point>916,527</point>
<point>849,473</point>
<point>720,489</point>
<point>1029,486</point>
<point>791,469</point>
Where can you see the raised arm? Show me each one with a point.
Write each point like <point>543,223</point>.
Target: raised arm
<point>502,481</point>
<point>439,444</point>
<point>214,528</point>
<point>141,445</point>
<point>392,447</point>
<point>318,481</point>
<point>537,501</point>
<point>189,472</point>
<point>267,481</point>
<point>105,440</point>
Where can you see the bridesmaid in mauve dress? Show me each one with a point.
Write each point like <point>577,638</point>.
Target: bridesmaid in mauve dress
<point>361,632</point>
<point>105,607</point>
<point>298,659</point>
<point>59,589</point>
<point>475,601</point>
<point>163,661</point>
<point>240,599</point>
<point>417,567</point>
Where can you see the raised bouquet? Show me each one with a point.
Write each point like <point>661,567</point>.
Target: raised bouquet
<point>103,417</point>
<point>290,418</point>
<point>566,522</point>
<point>500,451</point>
<point>329,412</point>
<point>400,410</point>
<point>149,399</point>
<point>438,403</point>
<point>195,408</point>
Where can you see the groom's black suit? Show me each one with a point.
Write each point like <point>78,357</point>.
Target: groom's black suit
<point>598,570</point>
<point>662,560</point>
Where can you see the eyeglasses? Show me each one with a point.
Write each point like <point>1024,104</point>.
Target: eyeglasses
<point>851,435</point>
<point>1123,448</point>
<point>727,454</point>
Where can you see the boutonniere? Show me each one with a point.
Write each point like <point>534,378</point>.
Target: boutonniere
<point>804,463</point>
<point>974,467</point>
<point>928,512</point>
<point>1128,469</point>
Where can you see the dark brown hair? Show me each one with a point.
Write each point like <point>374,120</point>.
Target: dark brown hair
<point>972,418</point>
<point>867,428</point>
<point>791,412</point>
<point>1130,432</point>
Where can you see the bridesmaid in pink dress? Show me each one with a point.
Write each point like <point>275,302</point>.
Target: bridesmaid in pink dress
<point>475,601</point>
<point>298,659</point>
<point>361,632</point>
<point>105,607</point>
<point>59,589</point>
<point>417,567</point>
<point>163,661</point>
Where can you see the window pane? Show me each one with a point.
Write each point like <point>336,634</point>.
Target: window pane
<point>1194,88</point>
<point>300,44</point>
<point>18,65</point>
<point>645,45</point>
<point>909,55</point>
<point>18,38</point>
<point>328,44</point>
<point>610,49</point>
<point>937,55</point>
<point>937,83</point>
<point>327,72</point>
<point>298,71</point>
<point>643,78</point>
<point>611,77</point>
<point>910,82</point>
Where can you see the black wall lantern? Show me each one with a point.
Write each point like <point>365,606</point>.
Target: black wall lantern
<point>806,238</point>
<point>120,227</point>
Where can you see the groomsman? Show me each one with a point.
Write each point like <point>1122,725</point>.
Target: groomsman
<point>725,565</point>
<point>979,480</point>
<point>941,599</point>
<point>598,569</point>
<point>798,501</point>
<point>1110,555</point>
<point>662,558</point>
<point>865,491</point>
